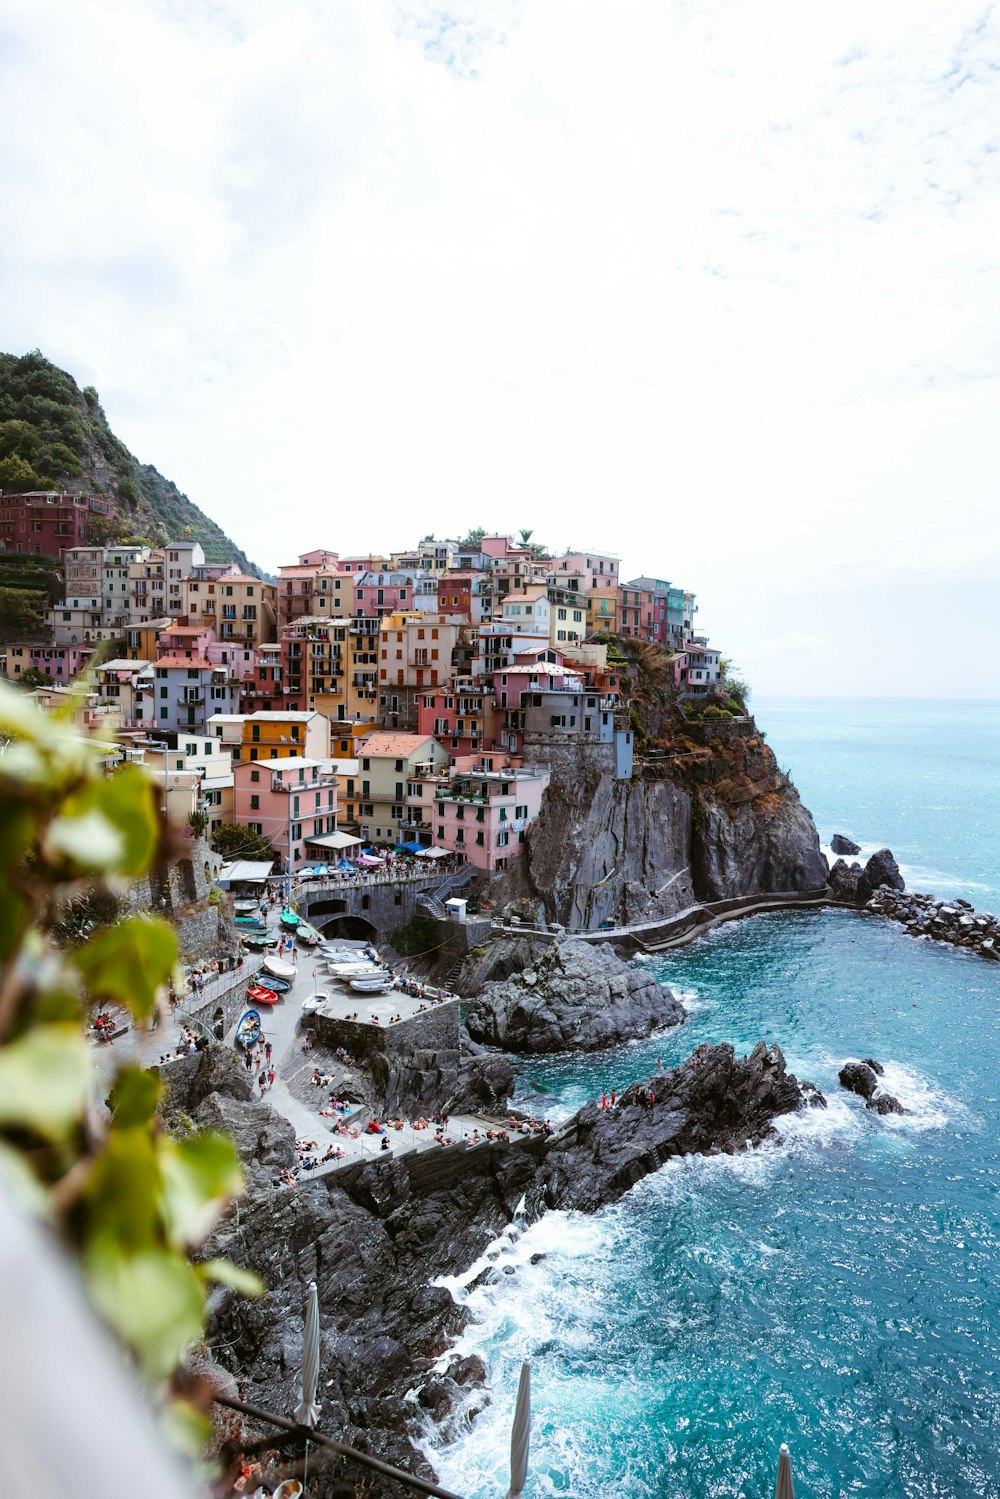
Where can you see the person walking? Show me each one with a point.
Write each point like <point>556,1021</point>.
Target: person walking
<point>267,1050</point>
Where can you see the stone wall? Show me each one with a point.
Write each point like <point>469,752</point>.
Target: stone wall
<point>436,1029</point>
<point>227,993</point>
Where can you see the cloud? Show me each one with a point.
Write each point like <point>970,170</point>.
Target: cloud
<point>711,286</point>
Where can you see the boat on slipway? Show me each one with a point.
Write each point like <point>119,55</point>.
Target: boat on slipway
<point>376,983</point>
<point>279,968</point>
<point>289,920</point>
<point>248,1030</point>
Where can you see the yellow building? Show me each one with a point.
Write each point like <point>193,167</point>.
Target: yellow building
<point>283,735</point>
<point>236,607</point>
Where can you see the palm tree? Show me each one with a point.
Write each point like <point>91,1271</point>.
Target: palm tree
<point>526,536</point>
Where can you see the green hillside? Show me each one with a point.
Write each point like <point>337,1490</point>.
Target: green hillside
<point>53,435</point>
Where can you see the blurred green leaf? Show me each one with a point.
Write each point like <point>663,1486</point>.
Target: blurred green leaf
<point>84,841</point>
<point>185,1428</point>
<point>225,1273</point>
<point>123,1193</point>
<point>129,962</point>
<point>197,1173</point>
<point>22,1183</point>
<point>44,1077</point>
<point>116,815</point>
<point>134,1098</point>
<point>153,1299</point>
<point>128,799</point>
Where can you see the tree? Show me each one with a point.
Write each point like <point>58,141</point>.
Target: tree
<point>20,611</point>
<point>129,1202</point>
<point>198,823</point>
<point>526,536</point>
<point>236,840</point>
<point>35,678</point>
<point>474,537</point>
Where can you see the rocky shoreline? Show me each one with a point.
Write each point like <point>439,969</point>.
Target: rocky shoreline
<point>880,889</point>
<point>535,998</point>
<point>375,1237</point>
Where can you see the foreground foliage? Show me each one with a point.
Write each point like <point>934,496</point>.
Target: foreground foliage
<point>129,1201</point>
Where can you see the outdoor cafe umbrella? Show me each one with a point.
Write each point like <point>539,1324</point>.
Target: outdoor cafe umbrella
<point>784,1488</point>
<point>520,1434</point>
<point>307,1411</point>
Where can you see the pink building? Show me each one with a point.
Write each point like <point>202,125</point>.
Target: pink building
<point>189,641</point>
<point>484,814</point>
<point>377,594</point>
<point>239,660</point>
<point>60,662</point>
<point>531,672</point>
<point>288,801</point>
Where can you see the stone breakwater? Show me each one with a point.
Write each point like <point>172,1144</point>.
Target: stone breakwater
<point>954,921</point>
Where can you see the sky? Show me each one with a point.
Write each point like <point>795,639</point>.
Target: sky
<point>712,285</point>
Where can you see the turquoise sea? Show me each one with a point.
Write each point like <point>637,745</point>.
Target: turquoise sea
<point>838,1290</point>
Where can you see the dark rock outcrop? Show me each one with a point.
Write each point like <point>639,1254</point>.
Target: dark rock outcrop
<point>713,1102</point>
<point>843,881</point>
<point>862,1078</point>
<point>419,1082</point>
<point>841,845</point>
<point>858,1077</point>
<point>881,869</point>
<point>373,1238</point>
<point>704,821</point>
<point>574,995</point>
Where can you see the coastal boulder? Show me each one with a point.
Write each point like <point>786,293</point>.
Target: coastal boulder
<point>575,995</point>
<point>881,869</point>
<point>841,845</point>
<point>843,881</point>
<point>858,1077</point>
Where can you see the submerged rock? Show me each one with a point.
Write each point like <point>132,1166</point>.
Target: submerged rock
<point>582,996</point>
<point>841,845</point>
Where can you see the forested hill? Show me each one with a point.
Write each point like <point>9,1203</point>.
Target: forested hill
<point>53,435</point>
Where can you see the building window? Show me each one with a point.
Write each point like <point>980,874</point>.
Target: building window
<point>255,804</point>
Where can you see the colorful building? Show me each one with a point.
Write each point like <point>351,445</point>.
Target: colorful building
<point>237,607</point>
<point>388,763</point>
<point>483,813</point>
<point>45,523</point>
<point>288,801</point>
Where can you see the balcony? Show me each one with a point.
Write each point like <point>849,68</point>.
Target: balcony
<point>191,702</point>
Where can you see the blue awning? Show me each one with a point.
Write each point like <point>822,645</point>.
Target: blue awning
<point>409,848</point>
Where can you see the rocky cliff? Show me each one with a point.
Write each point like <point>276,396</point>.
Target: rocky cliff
<point>706,815</point>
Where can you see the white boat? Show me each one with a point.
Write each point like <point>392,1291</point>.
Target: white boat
<point>357,971</point>
<point>279,968</point>
<point>377,984</point>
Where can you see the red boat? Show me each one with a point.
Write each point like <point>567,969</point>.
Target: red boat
<point>258,995</point>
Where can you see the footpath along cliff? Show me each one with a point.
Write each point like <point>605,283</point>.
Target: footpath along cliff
<point>707,814</point>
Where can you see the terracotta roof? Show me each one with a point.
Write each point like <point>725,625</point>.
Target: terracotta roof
<point>398,745</point>
<point>191,662</point>
<point>187,629</point>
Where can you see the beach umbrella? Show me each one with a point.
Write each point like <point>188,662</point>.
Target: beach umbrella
<point>307,1411</point>
<point>520,1434</point>
<point>784,1488</point>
